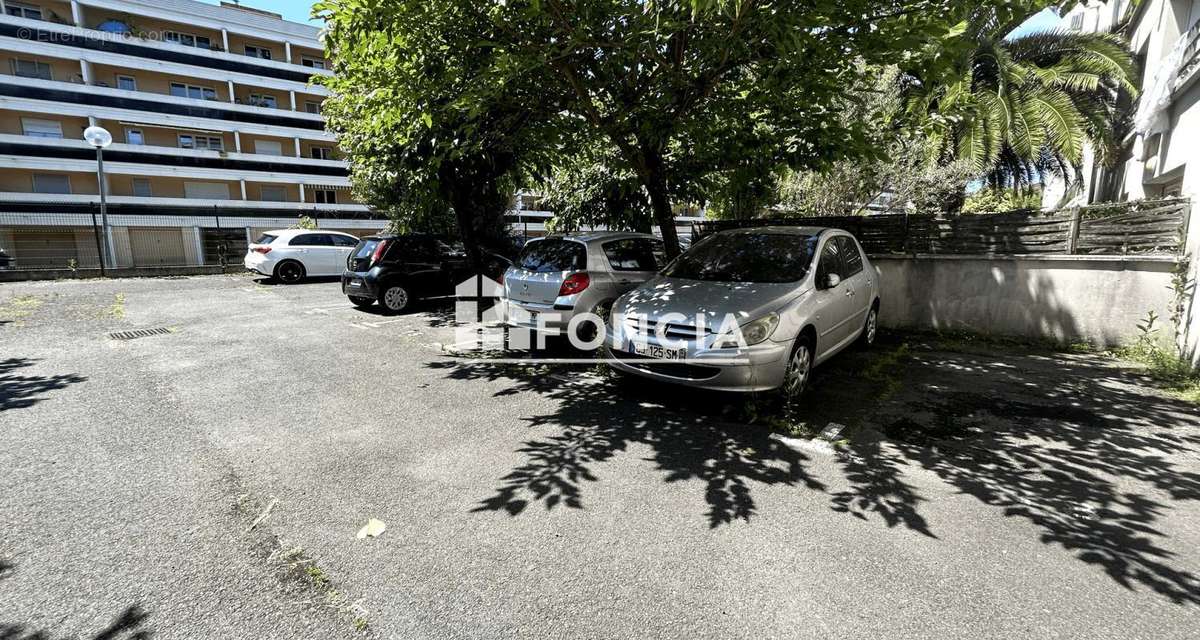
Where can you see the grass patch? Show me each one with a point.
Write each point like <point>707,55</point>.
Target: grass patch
<point>1169,372</point>
<point>18,308</point>
<point>117,308</point>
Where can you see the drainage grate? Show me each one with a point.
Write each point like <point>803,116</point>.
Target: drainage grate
<point>140,333</point>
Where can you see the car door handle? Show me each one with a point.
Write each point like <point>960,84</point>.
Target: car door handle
<point>849,293</point>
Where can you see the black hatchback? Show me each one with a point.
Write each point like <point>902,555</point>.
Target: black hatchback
<point>398,270</point>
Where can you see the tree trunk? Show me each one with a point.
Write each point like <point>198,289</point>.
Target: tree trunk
<point>655,181</point>
<point>472,188</point>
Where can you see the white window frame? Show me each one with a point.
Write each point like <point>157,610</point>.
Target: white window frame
<point>329,196</point>
<point>25,10</point>
<point>313,107</point>
<point>324,153</point>
<point>261,50</point>
<point>258,149</point>
<point>179,39</point>
<point>187,89</point>
<point>126,76</point>
<point>64,176</point>
<point>26,122</point>
<point>37,65</point>
<point>282,192</point>
<point>315,63</point>
<point>139,132</point>
<point>270,101</point>
<point>195,142</point>
<point>133,187</point>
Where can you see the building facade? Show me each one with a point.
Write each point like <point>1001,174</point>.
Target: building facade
<point>216,125</point>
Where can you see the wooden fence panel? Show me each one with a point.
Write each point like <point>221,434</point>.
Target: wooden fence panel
<point>1142,227</point>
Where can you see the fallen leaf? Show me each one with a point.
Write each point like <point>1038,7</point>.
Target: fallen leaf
<point>373,528</point>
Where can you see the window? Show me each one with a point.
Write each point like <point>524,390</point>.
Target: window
<point>128,83</point>
<point>321,153</point>
<point>344,241</point>
<point>325,196</point>
<point>211,143</point>
<point>312,107</point>
<point>258,52</point>
<point>141,187</point>
<point>187,39</point>
<point>1077,22</point>
<point>632,254</point>
<point>268,147</point>
<point>831,262</point>
<point>272,193</point>
<point>51,183</point>
<point>315,63</point>
<point>182,90</point>
<point>312,240</point>
<point>206,190</point>
<point>852,260</point>
<point>265,238</point>
<point>41,128</point>
<point>134,136</point>
<point>22,10</point>
<point>746,257</point>
<point>31,69</point>
<point>262,100</point>
<point>544,256</point>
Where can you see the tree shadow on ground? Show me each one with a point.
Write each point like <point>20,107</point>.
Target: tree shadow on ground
<point>1075,445</point>
<point>18,392</point>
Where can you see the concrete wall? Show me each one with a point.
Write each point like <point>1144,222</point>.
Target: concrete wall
<point>1063,298</point>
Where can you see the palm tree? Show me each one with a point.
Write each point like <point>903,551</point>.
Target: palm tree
<point>1023,108</point>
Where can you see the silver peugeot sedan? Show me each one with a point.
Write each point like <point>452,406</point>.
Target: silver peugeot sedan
<point>559,277</point>
<point>748,310</point>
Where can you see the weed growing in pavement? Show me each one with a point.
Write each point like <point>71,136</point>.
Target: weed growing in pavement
<point>17,308</point>
<point>1163,364</point>
<point>963,341</point>
<point>117,308</point>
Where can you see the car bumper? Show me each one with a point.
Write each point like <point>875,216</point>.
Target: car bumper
<point>359,285</point>
<point>259,263</point>
<point>756,368</point>
<point>545,318</point>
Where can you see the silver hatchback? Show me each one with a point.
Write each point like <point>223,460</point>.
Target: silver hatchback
<point>558,278</point>
<point>748,310</point>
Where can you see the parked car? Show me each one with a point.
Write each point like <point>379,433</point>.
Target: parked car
<point>799,295</point>
<point>558,277</point>
<point>6,261</point>
<point>290,255</point>
<point>398,270</point>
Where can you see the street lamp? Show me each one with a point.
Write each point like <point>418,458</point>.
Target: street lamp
<point>99,137</point>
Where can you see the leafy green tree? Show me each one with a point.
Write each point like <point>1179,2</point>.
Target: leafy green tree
<point>1022,108</point>
<point>434,117</point>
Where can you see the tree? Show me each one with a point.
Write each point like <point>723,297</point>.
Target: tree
<point>594,188</point>
<point>432,116</point>
<point>1022,108</point>
<point>684,90</point>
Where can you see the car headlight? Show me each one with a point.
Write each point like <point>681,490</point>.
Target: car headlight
<point>753,332</point>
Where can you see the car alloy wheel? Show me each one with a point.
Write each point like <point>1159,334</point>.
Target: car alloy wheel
<point>872,326</point>
<point>798,371</point>
<point>395,298</point>
<point>290,272</point>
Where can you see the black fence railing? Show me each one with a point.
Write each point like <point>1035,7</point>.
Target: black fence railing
<point>1144,227</point>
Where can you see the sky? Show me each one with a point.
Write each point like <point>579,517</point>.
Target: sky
<point>1044,21</point>
<point>294,10</point>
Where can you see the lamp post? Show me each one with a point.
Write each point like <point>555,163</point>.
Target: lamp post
<point>99,137</point>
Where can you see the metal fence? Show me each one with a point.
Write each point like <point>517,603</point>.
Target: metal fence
<point>76,241</point>
<point>1145,227</point>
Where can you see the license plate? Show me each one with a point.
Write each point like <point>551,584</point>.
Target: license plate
<point>657,351</point>
<point>355,283</point>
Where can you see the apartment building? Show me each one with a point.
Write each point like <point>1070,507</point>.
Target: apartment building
<point>216,125</point>
<point>1161,157</point>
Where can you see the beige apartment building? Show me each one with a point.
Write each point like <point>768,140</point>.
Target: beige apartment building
<point>216,125</point>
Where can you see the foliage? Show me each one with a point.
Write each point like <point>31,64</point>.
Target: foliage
<point>595,188</point>
<point>1163,363</point>
<point>1023,108</point>
<point>992,200</point>
<point>305,222</point>
<point>434,116</point>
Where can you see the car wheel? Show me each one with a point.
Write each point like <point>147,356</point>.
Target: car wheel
<point>799,369</point>
<point>587,331</point>
<point>394,298</point>
<point>870,328</point>
<point>360,302</point>
<point>289,272</point>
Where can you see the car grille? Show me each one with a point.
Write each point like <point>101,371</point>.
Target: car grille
<point>678,330</point>
<point>680,370</point>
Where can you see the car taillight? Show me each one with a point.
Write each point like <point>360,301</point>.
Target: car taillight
<point>262,250</point>
<point>377,255</point>
<point>574,283</point>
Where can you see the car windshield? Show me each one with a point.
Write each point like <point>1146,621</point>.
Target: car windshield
<point>746,257</point>
<point>365,248</point>
<point>553,255</point>
<point>265,238</point>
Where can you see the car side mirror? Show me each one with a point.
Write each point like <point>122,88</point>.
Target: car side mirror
<point>832,280</point>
